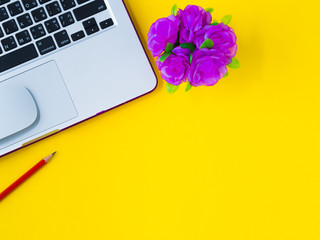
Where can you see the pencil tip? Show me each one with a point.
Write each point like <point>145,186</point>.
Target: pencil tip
<point>47,159</point>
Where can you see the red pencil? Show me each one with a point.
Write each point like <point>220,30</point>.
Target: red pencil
<point>26,176</point>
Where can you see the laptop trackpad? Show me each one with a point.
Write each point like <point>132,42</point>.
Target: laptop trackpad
<point>51,96</point>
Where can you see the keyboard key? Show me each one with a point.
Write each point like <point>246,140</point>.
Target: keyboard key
<point>88,23</point>
<point>90,26</point>
<point>46,45</point>
<point>29,4</point>
<point>52,25</point>
<point>82,1</point>
<point>44,1</point>
<point>15,8</point>
<point>66,19</point>
<point>1,33</point>
<point>24,20</point>
<point>18,57</point>
<point>77,36</point>
<point>39,14</point>
<point>3,14</point>
<point>62,38</point>
<point>106,23</point>
<point>37,31</point>
<point>53,8</point>
<point>91,30</point>
<point>23,37</point>
<point>89,9</point>
<point>67,4</point>
<point>9,43</point>
<point>10,26</point>
<point>4,1</point>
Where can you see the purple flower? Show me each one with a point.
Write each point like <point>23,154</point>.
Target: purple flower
<point>223,37</point>
<point>162,32</point>
<point>175,68</point>
<point>207,68</point>
<point>192,18</point>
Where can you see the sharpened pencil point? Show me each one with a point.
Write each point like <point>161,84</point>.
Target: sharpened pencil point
<point>47,159</point>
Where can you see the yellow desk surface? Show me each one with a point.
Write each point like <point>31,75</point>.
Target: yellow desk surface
<point>236,161</point>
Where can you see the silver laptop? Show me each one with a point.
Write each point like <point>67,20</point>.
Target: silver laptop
<point>64,61</point>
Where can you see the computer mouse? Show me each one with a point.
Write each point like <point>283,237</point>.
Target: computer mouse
<point>18,110</point>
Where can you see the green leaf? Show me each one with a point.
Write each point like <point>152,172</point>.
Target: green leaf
<point>226,19</point>
<point>227,74</point>
<point>190,46</point>
<point>172,88</point>
<point>214,22</point>
<point>169,47</point>
<point>191,58</point>
<point>235,63</point>
<point>210,10</point>
<point>174,10</point>
<point>189,86</point>
<point>164,57</point>
<point>208,43</point>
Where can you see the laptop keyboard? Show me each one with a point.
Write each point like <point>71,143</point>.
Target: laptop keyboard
<point>30,29</point>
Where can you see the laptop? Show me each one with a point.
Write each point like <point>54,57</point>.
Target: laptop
<point>63,62</point>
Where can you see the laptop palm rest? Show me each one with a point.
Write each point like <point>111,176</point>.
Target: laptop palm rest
<point>52,99</point>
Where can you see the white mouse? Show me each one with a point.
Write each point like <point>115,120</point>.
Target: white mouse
<point>18,110</point>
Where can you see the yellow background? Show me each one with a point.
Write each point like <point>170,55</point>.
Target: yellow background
<point>236,161</point>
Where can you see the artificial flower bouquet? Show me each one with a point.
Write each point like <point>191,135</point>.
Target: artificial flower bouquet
<point>192,47</point>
